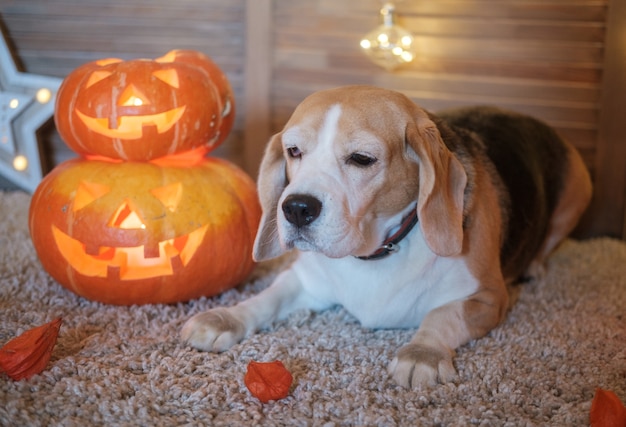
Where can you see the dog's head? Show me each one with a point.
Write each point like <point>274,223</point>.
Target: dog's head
<point>349,164</point>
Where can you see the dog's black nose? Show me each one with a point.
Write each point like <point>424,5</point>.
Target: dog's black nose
<point>301,209</point>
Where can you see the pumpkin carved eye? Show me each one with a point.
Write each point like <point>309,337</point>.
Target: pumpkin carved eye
<point>169,195</point>
<point>132,97</point>
<point>169,77</point>
<point>97,76</point>
<point>126,217</point>
<point>88,192</point>
<point>145,109</point>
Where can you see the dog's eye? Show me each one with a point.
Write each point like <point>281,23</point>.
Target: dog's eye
<point>361,159</point>
<point>294,152</point>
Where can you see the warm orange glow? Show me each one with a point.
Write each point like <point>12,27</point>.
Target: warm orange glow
<point>131,127</point>
<point>132,97</point>
<point>87,192</point>
<point>127,218</point>
<point>169,195</point>
<point>98,158</point>
<point>186,158</point>
<point>131,262</point>
<point>168,76</point>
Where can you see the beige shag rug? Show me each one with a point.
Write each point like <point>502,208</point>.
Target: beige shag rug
<point>125,366</point>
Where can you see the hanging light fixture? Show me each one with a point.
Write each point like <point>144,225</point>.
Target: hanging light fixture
<point>388,45</point>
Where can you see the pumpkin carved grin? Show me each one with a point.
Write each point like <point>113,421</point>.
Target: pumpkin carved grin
<point>131,127</point>
<point>142,109</point>
<point>129,263</point>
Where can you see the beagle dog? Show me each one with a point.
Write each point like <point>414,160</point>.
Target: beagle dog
<point>406,219</point>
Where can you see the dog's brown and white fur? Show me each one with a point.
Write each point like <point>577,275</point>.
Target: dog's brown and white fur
<point>495,192</point>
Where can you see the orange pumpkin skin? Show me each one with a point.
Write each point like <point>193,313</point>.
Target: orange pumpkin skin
<point>137,233</point>
<point>223,85</point>
<point>145,109</point>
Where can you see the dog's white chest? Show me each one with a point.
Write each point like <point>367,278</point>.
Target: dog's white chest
<point>396,291</point>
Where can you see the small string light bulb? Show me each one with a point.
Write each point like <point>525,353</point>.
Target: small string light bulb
<point>43,95</point>
<point>20,163</point>
<point>388,45</point>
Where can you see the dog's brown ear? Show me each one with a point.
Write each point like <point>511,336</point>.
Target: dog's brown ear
<point>442,181</point>
<point>271,183</point>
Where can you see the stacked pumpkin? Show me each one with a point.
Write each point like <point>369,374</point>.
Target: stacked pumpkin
<point>143,215</point>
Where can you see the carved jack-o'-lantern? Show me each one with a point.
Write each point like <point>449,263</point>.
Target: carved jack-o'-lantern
<point>145,109</point>
<point>134,233</point>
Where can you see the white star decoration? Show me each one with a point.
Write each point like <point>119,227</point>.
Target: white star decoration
<point>26,104</point>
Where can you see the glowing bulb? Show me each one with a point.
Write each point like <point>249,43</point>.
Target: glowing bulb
<point>406,41</point>
<point>132,97</point>
<point>14,103</point>
<point>133,100</point>
<point>43,95</point>
<point>20,163</point>
<point>388,45</point>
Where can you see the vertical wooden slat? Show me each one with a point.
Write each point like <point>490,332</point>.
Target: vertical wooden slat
<point>257,81</point>
<point>609,205</point>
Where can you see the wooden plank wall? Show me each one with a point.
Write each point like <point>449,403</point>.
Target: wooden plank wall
<point>547,58</point>
<point>534,56</point>
<point>53,37</point>
<point>555,59</point>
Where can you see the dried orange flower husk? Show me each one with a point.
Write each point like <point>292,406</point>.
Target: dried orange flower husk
<point>29,353</point>
<point>607,410</point>
<point>268,380</point>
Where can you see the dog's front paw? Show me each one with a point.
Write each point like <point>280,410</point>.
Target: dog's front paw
<point>215,330</point>
<point>418,366</point>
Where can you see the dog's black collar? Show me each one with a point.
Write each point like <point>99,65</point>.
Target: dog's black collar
<point>390,245</point>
